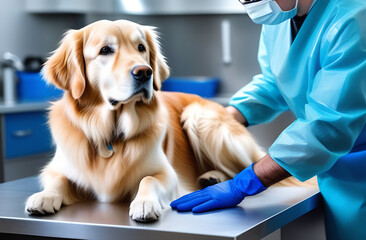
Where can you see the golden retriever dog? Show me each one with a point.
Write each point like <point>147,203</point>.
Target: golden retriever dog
<point>119,138</point>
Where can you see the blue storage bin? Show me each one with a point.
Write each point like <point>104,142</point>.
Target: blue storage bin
<point>202,86</point>
<point>32,87</point>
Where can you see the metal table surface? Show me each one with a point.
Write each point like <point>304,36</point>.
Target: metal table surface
<point>254,218</point>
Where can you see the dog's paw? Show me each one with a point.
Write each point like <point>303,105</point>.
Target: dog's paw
<point>43,203</point>
<point>145,210</point>
<point>211,177</point>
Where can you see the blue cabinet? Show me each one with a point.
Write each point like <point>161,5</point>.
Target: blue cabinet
<point>26,134</point>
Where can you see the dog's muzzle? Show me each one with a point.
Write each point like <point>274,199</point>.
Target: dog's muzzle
<point>142,73</point>
<point>142,86</point>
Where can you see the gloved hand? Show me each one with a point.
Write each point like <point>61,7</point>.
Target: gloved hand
<point>222,195</point>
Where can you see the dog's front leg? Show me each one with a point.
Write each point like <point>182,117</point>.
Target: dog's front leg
<point>57,190</point>
<point>154,194</point>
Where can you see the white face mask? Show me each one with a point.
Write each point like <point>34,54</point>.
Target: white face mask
<point>267,12</point>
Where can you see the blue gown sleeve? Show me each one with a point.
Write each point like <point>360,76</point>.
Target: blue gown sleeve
<point>260,101</point>
<point>335,112</point>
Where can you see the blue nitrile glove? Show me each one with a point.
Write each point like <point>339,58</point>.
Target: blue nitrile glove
<point>222,195</point>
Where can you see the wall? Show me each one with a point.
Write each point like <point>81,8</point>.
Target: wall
<point>25,34</point>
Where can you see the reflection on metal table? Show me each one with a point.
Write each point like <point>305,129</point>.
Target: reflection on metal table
<point>254,218</point>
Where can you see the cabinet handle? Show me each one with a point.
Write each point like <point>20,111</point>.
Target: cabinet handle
<point>22,133</point>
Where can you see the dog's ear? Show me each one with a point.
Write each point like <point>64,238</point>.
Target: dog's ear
<point>66,67</point>
<point>157,60</point>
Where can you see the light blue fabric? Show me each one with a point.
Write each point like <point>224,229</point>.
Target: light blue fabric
<point>321,78</point>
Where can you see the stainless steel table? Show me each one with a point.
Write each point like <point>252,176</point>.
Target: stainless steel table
<point>254,218</point>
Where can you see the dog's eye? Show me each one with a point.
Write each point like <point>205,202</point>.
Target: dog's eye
<point>141,48</point>
<point>105,50</point>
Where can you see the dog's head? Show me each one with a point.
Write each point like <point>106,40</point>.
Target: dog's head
<point>121,59</point>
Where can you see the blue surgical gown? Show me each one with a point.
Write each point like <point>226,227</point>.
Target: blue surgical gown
<point>321,78</point>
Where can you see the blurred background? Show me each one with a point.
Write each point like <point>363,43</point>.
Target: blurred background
<point>204,41</point>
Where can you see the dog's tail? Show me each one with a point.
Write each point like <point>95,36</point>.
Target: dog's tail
<point>218,140</point>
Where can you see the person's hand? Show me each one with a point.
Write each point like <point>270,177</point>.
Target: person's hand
<point>222,195</point>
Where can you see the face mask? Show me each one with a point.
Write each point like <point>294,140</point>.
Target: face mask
<point>267,11</point>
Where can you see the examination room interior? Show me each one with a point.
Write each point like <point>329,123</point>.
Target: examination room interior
<point>202,44</point>
<point>191,42</point>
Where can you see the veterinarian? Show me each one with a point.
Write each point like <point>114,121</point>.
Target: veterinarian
<point>312,54</point>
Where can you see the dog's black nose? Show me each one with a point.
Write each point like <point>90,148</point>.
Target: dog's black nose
<point>141,73</point>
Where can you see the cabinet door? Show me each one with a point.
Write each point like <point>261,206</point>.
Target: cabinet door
<point>26,134</point>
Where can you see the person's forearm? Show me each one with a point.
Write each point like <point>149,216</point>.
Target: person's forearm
<point>269,172</point>
<point>237,115</point>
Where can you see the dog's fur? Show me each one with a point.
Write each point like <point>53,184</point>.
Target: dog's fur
<point>120,138</point>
